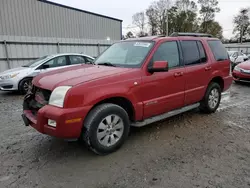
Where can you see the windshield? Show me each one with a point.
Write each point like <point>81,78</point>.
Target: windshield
<point>36,62</point>
<point>125,54</point>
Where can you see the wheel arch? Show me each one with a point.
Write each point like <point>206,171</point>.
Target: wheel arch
<point>27,77</point>
<point>219,80</point>
<point>123,102</point>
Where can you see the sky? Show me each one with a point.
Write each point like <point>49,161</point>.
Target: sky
<point>124,10</point>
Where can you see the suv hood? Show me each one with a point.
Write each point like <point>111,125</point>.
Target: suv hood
<point>245,65</point>
<point>75,75</point>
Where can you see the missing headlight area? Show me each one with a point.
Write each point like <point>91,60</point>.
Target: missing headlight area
<point>37,99</point>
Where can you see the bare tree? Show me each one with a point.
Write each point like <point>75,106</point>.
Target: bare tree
<point>152,20</point>
<point>139,19</point>
<point>242,24</point>
<point>207,12</point>
<point>158,16</point>
<point>162,7</point>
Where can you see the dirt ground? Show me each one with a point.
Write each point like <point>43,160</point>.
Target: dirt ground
<point>189,150</point>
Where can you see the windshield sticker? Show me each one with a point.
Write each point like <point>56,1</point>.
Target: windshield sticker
<point>142,44</point>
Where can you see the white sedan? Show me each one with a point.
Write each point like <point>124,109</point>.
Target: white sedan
<point>19,79</point>
<point>237,57</point>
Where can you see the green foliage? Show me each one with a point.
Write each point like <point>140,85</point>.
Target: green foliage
<point>165,17</point>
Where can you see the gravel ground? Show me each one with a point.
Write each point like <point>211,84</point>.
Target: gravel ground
<point>189,150</point>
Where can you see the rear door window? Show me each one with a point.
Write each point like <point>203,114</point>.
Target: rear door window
<point>191,52</point>
<point>75,60</point>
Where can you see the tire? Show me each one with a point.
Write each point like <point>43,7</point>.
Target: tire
<point>98,135</point>
<point>237,82</point>
<point>207,106</point>
<point>23,87</point>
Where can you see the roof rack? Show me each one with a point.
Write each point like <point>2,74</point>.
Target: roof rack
<point>177,34</point>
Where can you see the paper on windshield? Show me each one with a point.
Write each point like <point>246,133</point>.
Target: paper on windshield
<point>142,44</point>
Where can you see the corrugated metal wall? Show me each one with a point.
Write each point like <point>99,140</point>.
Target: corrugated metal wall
<point>245,47</point>
<point>30,29</point>
<point>44,19</point>
<point>21,50</point>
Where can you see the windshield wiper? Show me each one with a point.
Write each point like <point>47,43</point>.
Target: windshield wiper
<point>107,64</point>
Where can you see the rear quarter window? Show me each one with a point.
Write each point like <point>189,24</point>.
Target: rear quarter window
<point>219,51</point>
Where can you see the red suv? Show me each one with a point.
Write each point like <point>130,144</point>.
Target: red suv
<point>133,83</point>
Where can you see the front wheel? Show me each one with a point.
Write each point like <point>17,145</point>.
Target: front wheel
<point>25,85</point>
<point>212,98</point>
<point>106,128</point>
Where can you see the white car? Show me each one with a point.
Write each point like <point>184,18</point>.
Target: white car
<point>237,57</point>
<point>19,79</point>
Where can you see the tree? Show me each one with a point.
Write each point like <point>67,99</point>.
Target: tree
<point>242,24</point>
<point>214,28</point>
<point>142,34</point>
<point>183,16</point>
<point>164,17</point>
<point>152,20</point>
<point>162,7</point>
<point>207,12</point>
<point>157,14</point>
<point>129,35</point>
<point>139,19</point>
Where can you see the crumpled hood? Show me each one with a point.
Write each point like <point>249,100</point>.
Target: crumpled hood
<point>245,65</point>
<point>75,75</point>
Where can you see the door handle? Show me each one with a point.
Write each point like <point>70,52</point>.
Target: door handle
<point>178,74</point>
<point>208,68</point>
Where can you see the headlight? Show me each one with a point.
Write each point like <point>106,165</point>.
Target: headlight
<point>58,95</point>
<point>237,68</point>
<point>9,76</point>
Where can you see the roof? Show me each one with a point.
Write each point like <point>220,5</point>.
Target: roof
<point>61,54</point>
<point>79,10</point>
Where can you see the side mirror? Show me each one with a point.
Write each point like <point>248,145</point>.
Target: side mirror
<point>45,66</point>
<point>158,66</point>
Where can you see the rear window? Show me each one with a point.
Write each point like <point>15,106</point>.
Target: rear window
<point>219,51</point>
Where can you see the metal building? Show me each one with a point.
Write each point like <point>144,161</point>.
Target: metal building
<point>32,28</point>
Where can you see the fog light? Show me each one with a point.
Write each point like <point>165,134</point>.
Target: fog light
<point>51,123</point>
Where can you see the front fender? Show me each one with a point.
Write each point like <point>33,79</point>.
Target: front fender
<point>93,96</point>
<point>96,97</point>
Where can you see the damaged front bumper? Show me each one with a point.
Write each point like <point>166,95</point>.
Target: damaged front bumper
<point>68,122</point>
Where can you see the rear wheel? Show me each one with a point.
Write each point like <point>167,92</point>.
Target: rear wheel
<point>212,98</point>
<point>25,85</point>
<point>106,128</point>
